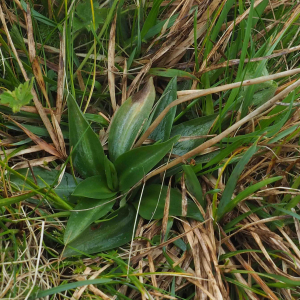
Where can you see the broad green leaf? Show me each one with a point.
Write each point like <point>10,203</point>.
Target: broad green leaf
<point>153,203</point>
<point>65,188</point>
<point>88,154</point>
<point>80,220</point>
<point>232,181</point>
<point>128,120</point>
<point>163,130</point>
<point>247,192</point>
<point>94,187</point>
<point>192,129</point>
<point>171,73</point>
<point>192,184</point>
<point>133,165</point>
<point>111,234</point>
<point>19,97</point>
<point>265,92</point>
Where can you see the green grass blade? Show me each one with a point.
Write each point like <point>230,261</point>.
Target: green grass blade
<point>232,181</point>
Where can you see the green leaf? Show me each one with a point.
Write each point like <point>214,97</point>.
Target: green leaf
<point>39,17</point>
<point>84,16</point>
<point>153,203</point>
<point>279,278</point>
<point>97,119</point>
<point>133,165</point>
<point>192,128</point>
<point>94,187</point>
<point>19,97</point>
<point>88,155</point>
<point>17,199</point>
<point>257,94</point>
<point>163,130</point>
<point>111,234</point>
<point>232,181</point>
<point>158,27</point>
<point>65,188</point>
<point>245,286</point>
<point>37,130</point>
<point>68,286</point>
<point>228,148</point>
<point>247,192</point>
<point>193,184</point>
<point>234,253</point>
<point>281,119</point>
<point>80,220</point>
<point>274,115</point>
<point>111,174</point>
<point>230,226</point>
<point>17,38</point>
<point>128,120</point>
<point>163,72</point>
<point>151,18</point>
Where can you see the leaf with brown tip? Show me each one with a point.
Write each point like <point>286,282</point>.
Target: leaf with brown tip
<point>129,119</point>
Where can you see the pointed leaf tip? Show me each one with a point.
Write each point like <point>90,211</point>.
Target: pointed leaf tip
<point>129,119</point>
<point>88,154</point>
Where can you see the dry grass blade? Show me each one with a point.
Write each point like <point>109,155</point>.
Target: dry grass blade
<point>39,141</point>
<point>60,80</point>
<point>59,134</point>
<point>31,149</point>
<point>227,33</point>
<point>203,16</point>
<point>35,162</point>
<point>193,94</point>
<point>37,103</point>
<point>55,129</point>
<point>247,267</point>
<point>231,129</point>
<point>184,10</point>
<point>166,214</point>
<point>292,18</point>
<point>252,252</point>
<point>184,200</point>
<point>135,259</point>
<point>235,62</point>
<point>124,83</point>
<point>230,265</point>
